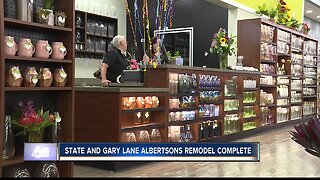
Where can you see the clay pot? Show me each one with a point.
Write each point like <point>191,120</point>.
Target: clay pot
<point>43,49</point>
<point>10,47</point>
<point>25,47</point>
<point>59,77</point>
<point>30,77</point>
<point>45,77</point>
<point>58,50</point>
<point>13,77</point>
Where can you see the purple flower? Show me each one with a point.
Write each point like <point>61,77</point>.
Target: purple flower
<point>215,35</point>
<point>213,43</point>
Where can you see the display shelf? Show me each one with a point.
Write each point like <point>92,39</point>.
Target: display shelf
<point>267,86</point>
<point>268,61</point>
<point>263,74</point>
<point>250,89</point>
<point>9,22</point>
<point>143,110</point>
<point>268,42</point>
<point>314,96</point>
<point>16,159</point>
<point>284,75</point>
<point>181,123</point>
<point>21,58</point>
<point>184,109</point>
<point>310,86</point>
<point>312,77</point>
<point>296,103</point>
<point>38,88</point>
<point>250,118</point>
<point>296,50</point>
<point>143,126</point>
<point>287,84</point>
<point>284,106</point>
<point>232,97</point>
<point>309,66</point>
<point>211,89</point>
<point>80,27</point>
<point>183,94</point>
<point>283,97</point>
<point>284,54</point>
<point>296,77</point>
<point>250,104</point>
<point>270,105</point>
<point>214,102</point>
<point>200,119</point>
<point>233,111</point>
<point>61,99</point>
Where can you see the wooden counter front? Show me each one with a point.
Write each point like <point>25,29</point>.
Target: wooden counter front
<point>99,116</point>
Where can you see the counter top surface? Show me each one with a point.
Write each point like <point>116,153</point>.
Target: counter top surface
<point>121,89</point>
<point>171,66</point>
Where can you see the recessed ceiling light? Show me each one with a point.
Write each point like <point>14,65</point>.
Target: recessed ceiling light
<point>318,16</point>
<point>309,11</point>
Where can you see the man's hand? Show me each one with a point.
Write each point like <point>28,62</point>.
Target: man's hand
<point>105,82</point>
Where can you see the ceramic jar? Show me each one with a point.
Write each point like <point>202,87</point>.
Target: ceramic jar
<point>30,78</point>
<point>13,77</point>
<point>59,77</point>
<point>155,101</point>
<point>45,77</point>
<point>58,50</point>
<point>140,102</point>
<point>43,49</point>
<point>148,102</point>
<point>10,47</point>
<point>25,47</point>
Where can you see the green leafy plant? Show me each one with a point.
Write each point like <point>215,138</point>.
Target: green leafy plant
<point>27,119</point>
<point>273,12</point>
<point>172,58</point>
<point>262,10</point>
<point>48,4</point>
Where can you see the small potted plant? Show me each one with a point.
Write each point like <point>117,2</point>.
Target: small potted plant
<point>272,14</point>
<point>42,15</point>
<point>60,19</point>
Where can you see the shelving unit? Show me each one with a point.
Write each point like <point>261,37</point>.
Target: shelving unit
<point>229,80</point>
<point>289,61</point>
<point>62,98</point>
<point>90,36</point>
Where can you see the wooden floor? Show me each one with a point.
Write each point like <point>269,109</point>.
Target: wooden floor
<point>279,157</point>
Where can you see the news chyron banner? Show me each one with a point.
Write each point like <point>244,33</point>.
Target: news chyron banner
<point>143,152</point>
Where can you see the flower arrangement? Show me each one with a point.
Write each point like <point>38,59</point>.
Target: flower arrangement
<point>308,136</point>
<point>221,44</point>
<point>31,121</point>
<point>134,64</point>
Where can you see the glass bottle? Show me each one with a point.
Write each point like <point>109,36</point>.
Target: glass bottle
<point>189,136</point>
<point>8,139</point>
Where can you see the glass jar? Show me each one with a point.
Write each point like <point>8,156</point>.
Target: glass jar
<point>8,139</point>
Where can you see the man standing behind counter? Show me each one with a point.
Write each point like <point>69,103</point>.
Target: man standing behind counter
<point>114,61</point>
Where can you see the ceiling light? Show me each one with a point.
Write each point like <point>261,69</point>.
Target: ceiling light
<point>309,11</point>
<point>318,17</point>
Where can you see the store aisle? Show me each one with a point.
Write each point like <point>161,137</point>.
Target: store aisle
<point>279,157</point>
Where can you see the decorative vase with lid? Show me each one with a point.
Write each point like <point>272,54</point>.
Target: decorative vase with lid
<point>10,47</point>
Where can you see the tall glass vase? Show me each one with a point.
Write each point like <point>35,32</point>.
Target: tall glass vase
<point>8,139</point>
<point>35,136</point>
<point>223,61</point>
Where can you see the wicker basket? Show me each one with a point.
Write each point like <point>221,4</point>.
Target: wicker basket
<point>30,78</point>
<point>59,77</point>
<point>13,77</point>
<point>45,77</point>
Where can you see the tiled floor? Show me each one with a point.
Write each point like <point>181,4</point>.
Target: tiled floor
<point>279,157</point>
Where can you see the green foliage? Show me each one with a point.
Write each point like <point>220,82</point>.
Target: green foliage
<point>273,12</point>
<point>262,10</point>
<point>48,4</point>
<point>222,44</point>
<point>172,59</point>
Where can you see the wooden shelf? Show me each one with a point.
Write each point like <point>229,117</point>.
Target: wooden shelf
<point>278,97</point>
<point>181,123</point>
<point>296,77</point>
<point>99,36</point>
<point>250,118</point>
<point>184,109</point>
<point>268,86</point>
<point>209,118</point>
<point>269,42</point>
<point>310,86</point>
<point>314,96</point>
<point>233,97</point>
<point>35,59</point>
<point>268,61</point>
<point>16,159</point>
<point>284,75</point>
<point>233,111</point>
<point>250,104</point>
<point>183,94</point>
<point>311,77</point>
<point>270,105</point>
<point>143,110</point>
<point>284,106</point>
<point>297,90</point>
<point>38,88</point>
<point>250,89</point>
<point>294,63</point>
<point>284,54</point>
<point>310,66</point>
<point>286,84</point>
<point>296,103</point>
<point>263,74</point>
<point>33,25</point>
<point>211,89</point>
<point>79,27</point>
<point>215,102</point>
<point>90,52</point>
<point>284,41</point>
<point>296,50</point>
<point>143,127</point>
